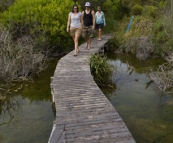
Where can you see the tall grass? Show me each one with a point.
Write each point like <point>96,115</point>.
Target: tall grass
<point>101,69</point>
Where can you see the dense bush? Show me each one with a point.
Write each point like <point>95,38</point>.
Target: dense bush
<point>39,16</point>
<point>150,11</point>
<point>19,60</point>
<point>137,10</point>
<point>113,13</point>
<point>128,42</point>
<point>4,4</point>
<point>162,32</point>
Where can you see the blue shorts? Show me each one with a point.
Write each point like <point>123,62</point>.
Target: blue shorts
<point>99,26</point>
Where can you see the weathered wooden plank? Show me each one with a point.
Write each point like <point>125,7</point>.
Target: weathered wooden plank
<point>83,113</point>
<point>57,134</point>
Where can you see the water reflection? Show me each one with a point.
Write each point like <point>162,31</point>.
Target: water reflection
<point>26,116</point>
<point>7,108</point>
<point>144,108</point>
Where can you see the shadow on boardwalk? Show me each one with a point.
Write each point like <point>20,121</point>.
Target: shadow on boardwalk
<point>83,113</point>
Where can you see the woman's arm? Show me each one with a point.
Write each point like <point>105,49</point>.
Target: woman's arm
<point>104,21</point>
<point>68,23</point>
<point>82,19</point>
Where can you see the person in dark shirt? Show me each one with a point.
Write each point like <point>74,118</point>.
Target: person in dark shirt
<point>88,24</point>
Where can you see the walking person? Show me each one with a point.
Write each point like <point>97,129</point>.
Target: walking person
<point>88,24</point>
<point>100,22</point>
<point>74,22</point>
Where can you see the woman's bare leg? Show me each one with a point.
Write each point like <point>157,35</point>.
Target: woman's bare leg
<point>75,53</point>
<point>76,38</point>
<point>99,34</point>
<point>76,43</point>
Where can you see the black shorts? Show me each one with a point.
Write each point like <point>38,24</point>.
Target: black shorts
<point>99,26</point>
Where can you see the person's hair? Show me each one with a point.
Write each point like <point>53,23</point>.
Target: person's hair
<point>99,7</point>
<point>72,9</point>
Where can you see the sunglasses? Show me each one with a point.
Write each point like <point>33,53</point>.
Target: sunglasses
<point>75,8</point>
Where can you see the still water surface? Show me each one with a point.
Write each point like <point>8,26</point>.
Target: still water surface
<point>27,116</point>
<point>146,110</point>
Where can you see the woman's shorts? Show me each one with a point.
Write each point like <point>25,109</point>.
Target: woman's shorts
<point>99,26</point>
<point>75,31</point>
<point>87,31</point>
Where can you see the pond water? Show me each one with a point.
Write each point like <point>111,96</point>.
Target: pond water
<point>146,110</point>
<point>27,115</point>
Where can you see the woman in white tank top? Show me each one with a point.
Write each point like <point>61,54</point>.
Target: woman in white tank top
<point>74,22</point>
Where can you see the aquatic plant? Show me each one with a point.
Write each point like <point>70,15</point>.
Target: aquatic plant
<point>101,69</point>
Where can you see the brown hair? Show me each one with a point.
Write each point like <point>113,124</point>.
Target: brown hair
<point>99,7</point>
<point>72,9</point>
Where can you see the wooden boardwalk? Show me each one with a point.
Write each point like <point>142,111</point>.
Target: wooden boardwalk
<point>83,113</point>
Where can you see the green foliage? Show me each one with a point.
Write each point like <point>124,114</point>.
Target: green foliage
<point>4,4</point>
<point>39,16</point>
<point>150,11</point>
<point>128,5</point>
<point>141,26</point>
<point>127,42</point>
<point>94,3</point>
<point>137,10</point>
<point>113,13</point>
<point>101,70</point>
<point>163,42</point>
<point>162,31</point>
<point>114,43</point>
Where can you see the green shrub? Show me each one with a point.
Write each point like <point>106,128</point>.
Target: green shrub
<point>39,16</point>
<point>130,4</point>
<point>101,70</point>
<point>150,11</point>
<point>162,31</point>
<point>126,42</point>
<point>4,4</point>
<point>162,37</point>
<point>137,10</point>
<point>112,13</point>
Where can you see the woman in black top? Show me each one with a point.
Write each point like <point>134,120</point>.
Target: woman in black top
<point>88,24</point>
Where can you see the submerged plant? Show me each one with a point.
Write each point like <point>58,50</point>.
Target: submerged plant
<point>101,70</point>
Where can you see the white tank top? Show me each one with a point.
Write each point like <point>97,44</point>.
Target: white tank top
<point>75,20</point>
